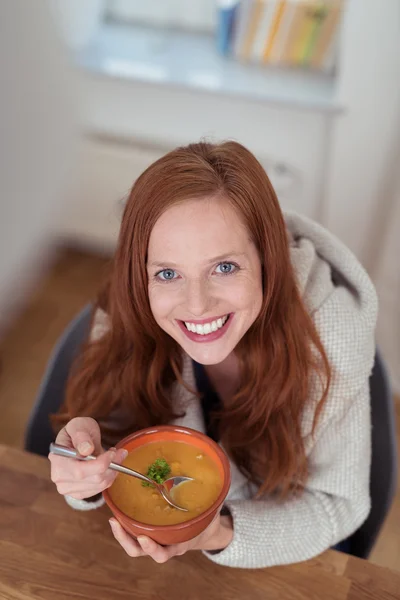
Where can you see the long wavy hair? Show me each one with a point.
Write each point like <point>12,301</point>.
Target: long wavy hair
<point>133,366</point>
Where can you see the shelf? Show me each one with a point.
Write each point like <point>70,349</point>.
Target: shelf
<point>190,61</point>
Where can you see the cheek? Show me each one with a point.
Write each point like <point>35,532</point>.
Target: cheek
<point>246,295</point>
<point>161,302</point>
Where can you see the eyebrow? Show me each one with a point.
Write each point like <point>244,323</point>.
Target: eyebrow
<point>207,262</point>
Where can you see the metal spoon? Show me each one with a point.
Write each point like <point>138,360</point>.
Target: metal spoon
<point>163,488</point>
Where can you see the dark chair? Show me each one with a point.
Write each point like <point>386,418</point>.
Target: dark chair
<point>39,433</point>
<point>384,444</point>
<point>384,461</point>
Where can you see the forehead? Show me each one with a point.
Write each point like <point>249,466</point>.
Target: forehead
<point>209,226</point>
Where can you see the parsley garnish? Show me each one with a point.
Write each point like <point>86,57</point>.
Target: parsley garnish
<point>158,471</point>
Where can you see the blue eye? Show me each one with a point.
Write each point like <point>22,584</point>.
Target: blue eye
<point>231,268</point>
<point>167,275</point>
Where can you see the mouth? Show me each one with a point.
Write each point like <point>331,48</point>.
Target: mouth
<point>209,331</point>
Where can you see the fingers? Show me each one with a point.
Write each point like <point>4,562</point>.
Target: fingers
<point>69,469</point>
<point>82,479</point>
<point>94,468</point>
<point>131,547</point>
<point>145,546</point>
<point>161,553</point>
<point>85,490</point>
<point>84,433</point>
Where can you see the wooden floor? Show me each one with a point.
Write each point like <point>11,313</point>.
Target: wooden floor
<point>24,352</point>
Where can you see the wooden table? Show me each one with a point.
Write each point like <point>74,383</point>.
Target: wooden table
<point>48,551</point>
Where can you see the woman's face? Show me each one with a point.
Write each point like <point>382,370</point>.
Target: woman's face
<point>204,271</point>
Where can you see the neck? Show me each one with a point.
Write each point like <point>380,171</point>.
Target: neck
<point>228,367</point>
<point>224,375</point>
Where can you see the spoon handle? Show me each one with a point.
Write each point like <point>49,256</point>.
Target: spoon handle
<point>71,453</point>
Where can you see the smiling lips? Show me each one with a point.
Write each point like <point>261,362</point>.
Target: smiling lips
<point>208,327</point>
<point>206,331</point>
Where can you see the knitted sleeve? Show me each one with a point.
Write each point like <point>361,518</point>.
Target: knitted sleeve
<point>334,504</point>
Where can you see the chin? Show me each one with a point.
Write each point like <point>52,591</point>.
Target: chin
<point>208,358</point>
<point>204,354</point>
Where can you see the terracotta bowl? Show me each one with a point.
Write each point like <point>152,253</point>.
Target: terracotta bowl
<point>181,532</point>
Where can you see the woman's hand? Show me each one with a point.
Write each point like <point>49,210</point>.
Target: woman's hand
<point>83,479</point>
<point>217,536</point>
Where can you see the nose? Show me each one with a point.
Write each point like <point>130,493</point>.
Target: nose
<point>197,297</point>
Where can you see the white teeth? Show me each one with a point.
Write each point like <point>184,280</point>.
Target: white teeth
<point>207,327</point>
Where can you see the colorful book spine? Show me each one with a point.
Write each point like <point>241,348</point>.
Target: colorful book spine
<point>282,37</point>
<point>293,34</point>
<point>266,17</point>
<point>277,19</point>
<point>255,14</point>
<point>324,49</point>
<point>240,32</point>
<point>227,13</point>
<point>318,15</point>
<point>280,32</point>
<point>307,24</point>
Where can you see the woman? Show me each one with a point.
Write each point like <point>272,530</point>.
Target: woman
<point>281,383</point>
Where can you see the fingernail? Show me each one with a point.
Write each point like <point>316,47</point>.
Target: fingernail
<point>143,542</point>
<point>112,523</point>
<point>84,447</point>
<point>124,454</point>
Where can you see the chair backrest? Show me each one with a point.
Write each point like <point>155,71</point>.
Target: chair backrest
<point>384,442</point>
<point>384,461</point>
<point>39,433</point>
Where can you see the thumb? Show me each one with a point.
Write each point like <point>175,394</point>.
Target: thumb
<point>85,436</point>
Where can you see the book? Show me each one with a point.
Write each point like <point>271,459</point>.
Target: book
<point>280,32</point>
<point>254,18</point>
<point>266,14</point>
<point>305,24</point>
<point>244,13</point>
<point>283,34</point>
<point>327,36</point>
<point>320,12</point>
<point>273,30</point>
<point>330,59</point>
<point>227,14</point>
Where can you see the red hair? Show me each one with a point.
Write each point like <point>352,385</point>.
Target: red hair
<point>134,365</point>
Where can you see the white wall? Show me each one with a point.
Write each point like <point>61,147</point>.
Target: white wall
<point>363,138</point>
<point>37,142</point>
<point>363,206</point>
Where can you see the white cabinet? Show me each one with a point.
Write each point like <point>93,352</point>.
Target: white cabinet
<point>105,175</point>
<point>130,124</point>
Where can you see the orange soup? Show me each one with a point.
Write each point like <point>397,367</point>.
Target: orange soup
<point>146,505</point>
